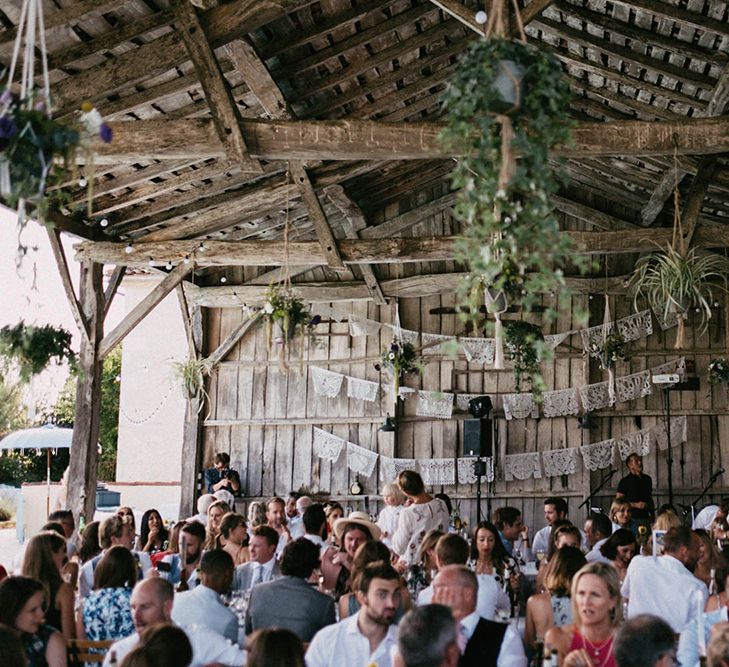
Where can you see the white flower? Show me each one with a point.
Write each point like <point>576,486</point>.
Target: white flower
<point>268,308</point>
<point>391,355</point>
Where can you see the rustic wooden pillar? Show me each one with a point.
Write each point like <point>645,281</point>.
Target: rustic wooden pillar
<point>81,493</point>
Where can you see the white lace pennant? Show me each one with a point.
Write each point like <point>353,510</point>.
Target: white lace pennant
<point>437,471</point>
<point>560,462</point>
<point>467,473</point>
<point>463,399</point>
<point>360,460</point>
<point>326,383</point>
<point>403,393</point>
<point>638,325</point>
<point>596,396</point>
<point>667,321</point>
<point>598,455</point>
<point>555,340</point>
<point>635,443</point>
<point>478,350</point>
<point>635,385</point>
<point>674,366</point>
<point>433,343</point>
<point>361,326</point>
<point>679,432</point>
<point>594,337</point>
<point>327,445</point>
<point>330,312</point>
<point>362,389</point>
<point>434,404</point>
<point>390,468</point>
<point>560,403</point>
<point>522,466</point>
<point>520,406</point>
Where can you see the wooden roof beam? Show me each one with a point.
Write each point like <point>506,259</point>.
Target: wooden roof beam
<point>696,194</point>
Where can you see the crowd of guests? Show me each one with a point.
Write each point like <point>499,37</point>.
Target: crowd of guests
<point>321,589</point>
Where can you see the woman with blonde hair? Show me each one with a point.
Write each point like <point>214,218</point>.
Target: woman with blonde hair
<point>709,557</point>
<point>216,512</point>
<point>233,531</point>
<point>256,516</point>
<point>621,514</point>
<point>597,612</point>
<point>387,520</point>
<point>43,561</point>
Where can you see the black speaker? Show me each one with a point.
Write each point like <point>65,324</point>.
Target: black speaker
<point>477,437</point>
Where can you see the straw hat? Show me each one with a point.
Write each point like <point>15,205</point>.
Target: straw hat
<point>361,519</point>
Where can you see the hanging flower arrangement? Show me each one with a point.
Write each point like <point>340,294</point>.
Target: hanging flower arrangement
<point>398,359</point>
<point>719,371</point>
<point>613,349</point>
<point>191,374</point>
<point>33,348</point>
<point>523,341</point>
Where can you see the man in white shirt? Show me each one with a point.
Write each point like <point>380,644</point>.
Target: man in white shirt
<point>176,568</point>
<point>554,508</point>
<point>276,518</point>
<point>296,523</point>
<point>315,521</point>
<point>598,529</point>
<point>114,530</point>
<point>263,566</point>
<point>203,502</point>
<point>151,603</point>
<point>367,637</point>
<point>483,643</point>
<point>427,636</point>
<point>203,605</point>
<point>663,585</point>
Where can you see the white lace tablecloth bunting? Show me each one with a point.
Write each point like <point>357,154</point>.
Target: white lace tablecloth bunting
<point>555,340</point>
<point>432,343</point>
<point>463,399</point>
<point>478,350</point>
<point>360,460</point>
<point>635,385</point>
<point>390,468</point>
<point>520,406</point>
<point>558,462</point>
<point>466,473</point>
<point>522,466</point>
<point>434,404</point>
<point>326,383</point>
<point>596,396</point>
<point>437,471</point>
<point>560,403</point>
<point>635,443</point>
<point>598,455</point>
<point>638,325</point>
<point>593,338</point>
<point>362,389</point>
<point>666,322</point>
<point>405,335</point>
<point>327,445</point>
<point>678,432</point>
<point>677,366</point>
<point>361,326</point>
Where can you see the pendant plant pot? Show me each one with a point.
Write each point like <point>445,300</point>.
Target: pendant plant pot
<point>508,87</point>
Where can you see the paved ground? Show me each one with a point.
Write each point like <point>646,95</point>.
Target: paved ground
<point>8,546</point>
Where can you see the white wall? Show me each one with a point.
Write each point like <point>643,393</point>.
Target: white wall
<point>151,406</point>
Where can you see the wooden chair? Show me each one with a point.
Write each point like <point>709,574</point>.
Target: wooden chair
<point>81,651</point>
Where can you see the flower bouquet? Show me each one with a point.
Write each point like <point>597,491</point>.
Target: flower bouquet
<point>719,371</point>
<point>614,348</point>
<point>397,359</point>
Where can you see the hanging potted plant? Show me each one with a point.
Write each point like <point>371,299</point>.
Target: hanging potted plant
<point>398,359</point>
<point>191,374</point>
<point>34,347</point>
<point>523,341</point>
<point>719,371</point>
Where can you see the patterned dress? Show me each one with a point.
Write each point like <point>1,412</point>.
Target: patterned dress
<point>107,614</point>
<point>35,646</point>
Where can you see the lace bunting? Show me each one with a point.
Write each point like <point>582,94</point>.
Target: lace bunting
<point>666,322</point>
<point>677,366</point>
<point>390,468</point>
<point>522,466</point>
<point>434,404</point>
<point>598,455</point>
<point>596,396</point>
<point>555,340</point>
<point>593,338</point>
<point>678,432</point>
<point>330,312</point>
<point>635,385</point>
<point>326,445</point>
<point>478,350</point>
<point>360,460</point>
<point>466,471</point>
<point>432,343</point>
<point>360,326</point>
<point>405,335</point>
<point>560,462</point>
<point>362,389</point>
<point>520,406</point>
<point>635,443</point>
<point>463,399</point>
<point>636,326</point>
<point>560,403</point>
<point>438,471</point>
<point>326,383</point>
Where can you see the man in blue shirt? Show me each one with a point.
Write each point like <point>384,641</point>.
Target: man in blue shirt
<point>221,476</point>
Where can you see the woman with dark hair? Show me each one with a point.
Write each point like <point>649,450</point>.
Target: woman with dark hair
<point>423,514</point>
<point>553,607</point>
<point>106,612</point>
<point>333,511</point>
<point>89,542</point>
<point>43,561</point>
<point>22,602</point>
<point>274,647</point>
<point>709,557</point>
<point>160,645</point>
<point>619,549</point>
<point>153,536</point>
<point>11,648</point>
<point>721,599</point>
<point>234,533</point>
<point>488,554</point>
<point>564,533</point>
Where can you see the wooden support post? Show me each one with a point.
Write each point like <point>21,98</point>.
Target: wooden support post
<point>112,287</point>
<point>81,493</point>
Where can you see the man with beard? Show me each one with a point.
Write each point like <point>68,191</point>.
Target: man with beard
<point>276,518</point>
<point>367,637</point>
<point>183,566</point>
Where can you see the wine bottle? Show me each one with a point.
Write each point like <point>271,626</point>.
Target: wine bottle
<point>112,660</point>
<point>538,657</point>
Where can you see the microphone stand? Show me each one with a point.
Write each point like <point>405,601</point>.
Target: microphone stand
<point>711,483</point>
<point>603,481</point>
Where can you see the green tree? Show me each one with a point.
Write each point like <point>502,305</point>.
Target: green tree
<point>63,412</point>
<point>12,412</point>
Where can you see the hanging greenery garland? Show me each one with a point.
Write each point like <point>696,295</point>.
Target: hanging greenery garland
<point>524,342</point>
<point>33,348</point>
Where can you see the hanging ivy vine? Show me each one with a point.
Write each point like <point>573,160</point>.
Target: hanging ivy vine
<point>34,348</point>
<point>525,344</point>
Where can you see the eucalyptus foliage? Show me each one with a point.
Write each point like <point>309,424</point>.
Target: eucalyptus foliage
<point>512,240</point>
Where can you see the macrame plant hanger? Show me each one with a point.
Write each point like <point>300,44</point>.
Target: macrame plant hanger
<point>31,35</point>
<point>678,243</point>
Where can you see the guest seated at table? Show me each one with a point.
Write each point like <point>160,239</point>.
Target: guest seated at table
<point>597,612</point>
<point>180,569</point>
<point>709,557</point>
<point>334,511</point>
<point>106,612</point>
<point>256,516</point>
<point>44,559</point>
<point>620,549</point>
<point>718,649</point>
<point>12,653</point>
<point>427,636</point>
<point>262,566</point>
<point>22,601</point>
<point>160,645</point>
<point>276,518</point>
<point>173,543</point>
<point>89,546</point>
<point>621,514</point>
<point>289,602</point>
<point>598,528</point>
<point>315,525</point>
<point>203,605</point>
<point>216,512</point>
<point>234,535</point>
<point>721,580</point>
<point>553,608</point>
<point>371,552</point>
<point>272,647</point>
<point>563,534</point>
<point>645,641</point>
<point>202,505</point>
<point>488,554</point>
<point>153,536</point>
<point>420,573</point>
<point>127,513</point>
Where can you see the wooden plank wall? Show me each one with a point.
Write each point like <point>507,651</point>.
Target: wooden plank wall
<point>264,417</point>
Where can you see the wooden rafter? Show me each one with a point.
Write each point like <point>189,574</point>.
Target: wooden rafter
<point>233,338</point>
<point>696,194</point>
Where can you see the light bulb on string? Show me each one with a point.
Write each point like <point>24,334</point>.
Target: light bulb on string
<point>82,182</point>
<point>223,279</point>
<point>104,222</point>
<point>128,249</point>
<point>151,262</point>
<point>186,259</point>
<point>168,266</point>
<point>481,17</point>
